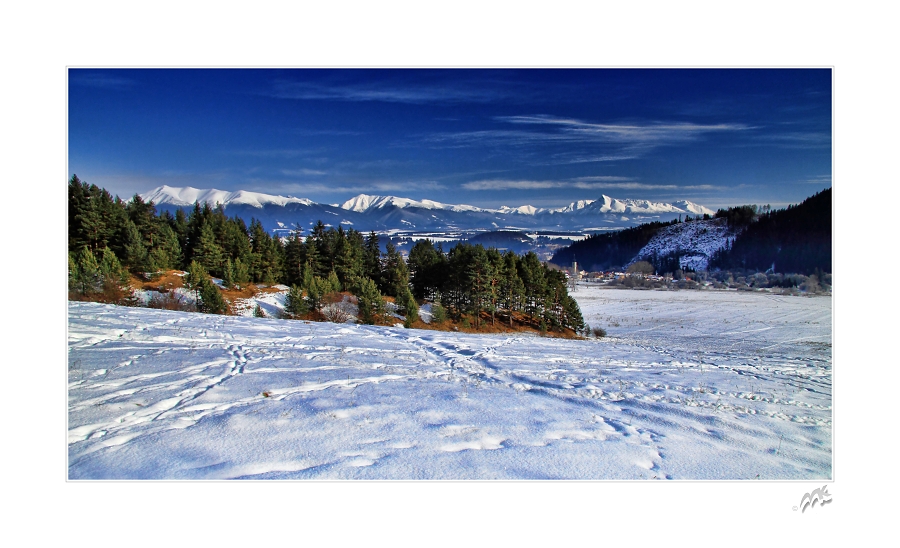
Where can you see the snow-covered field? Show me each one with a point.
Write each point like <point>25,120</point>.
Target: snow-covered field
<point>688,385</point>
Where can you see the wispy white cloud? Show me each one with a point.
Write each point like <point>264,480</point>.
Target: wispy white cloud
<point>607,142</point>
<point>280,153</point>
<point>587,183</point>
<point>818,180</point>
<point>800,139</point>
<point>302,172</point>
<point>815,139</point>
<point>384,92</point>
<point>306,189</point>
<point>607,178</point>
<point>326,132</point>
<point>656,132</point>
<point>649,186</point>
<point>582,159</point>
<point>506,185</point>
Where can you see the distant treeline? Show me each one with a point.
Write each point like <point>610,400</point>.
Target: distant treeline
<point>795,240</point>
<point>110,235</point>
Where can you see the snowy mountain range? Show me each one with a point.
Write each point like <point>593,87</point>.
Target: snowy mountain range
<point>365,213</point>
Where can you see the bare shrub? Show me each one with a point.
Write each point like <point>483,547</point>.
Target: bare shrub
<point>598,332</point>
<point>171,301</point>
<point>338,312</point>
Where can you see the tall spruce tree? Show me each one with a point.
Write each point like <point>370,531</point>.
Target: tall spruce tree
<point>208,252</point>
<point>372,258</point>
<point>371,304</point>
<point>294,258</point>
<point>86,279</point>
<point>294,304</point>
<point>511,287</point>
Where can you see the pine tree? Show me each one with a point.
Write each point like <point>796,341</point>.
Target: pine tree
<point>272,261</point>
<point>194,226</point>
<point>333,285</point>
<point>531,272</point>
<point>438,314</point>
<point>323,240</point>
<point>241,272</point>
<point>211,300</point>
<point>114,280</point>
<point>87,278</point>
<point>228,274</point>
<point>511,287</point>
<point>135,254</point>
<point>425,266</point>
<point>179,225</point>
<point>73,273</point>
<point>208,252</point>
<point>495,276</point>
<point>480,283</point>
<point>353,258</point>
<point>372,258</point>
<point>371,304</point>
<point>294,304</point>
<point>395,278</point>
<point>195,277</point>
<point>258,240</point>
<point>235,240</point>
<point>409,308</point>
<point>294,258</point>
<point>307,277</point>
<point>316,292</point>
<point>95,219</point>
<point>457,292</point>
<point>166,252</point>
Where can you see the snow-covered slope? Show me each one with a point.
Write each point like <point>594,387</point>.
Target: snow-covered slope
<point>694,241</point>
<point>671,394</point>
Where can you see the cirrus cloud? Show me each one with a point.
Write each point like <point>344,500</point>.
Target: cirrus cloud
<point>588,183</point>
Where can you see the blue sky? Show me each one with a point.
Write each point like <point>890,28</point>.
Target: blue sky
<point>544,137</point>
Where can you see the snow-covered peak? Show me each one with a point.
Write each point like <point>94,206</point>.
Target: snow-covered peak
<point>186,196</point>
<point>691,207</point>
<point>364,202</point>
<point>575,206</point>
<point>521,210</point>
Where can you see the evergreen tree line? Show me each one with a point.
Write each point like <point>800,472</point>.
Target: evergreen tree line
<point>473,281</point>
<point>742,216</point>
<point>795,240</point>
<point>470,280</point>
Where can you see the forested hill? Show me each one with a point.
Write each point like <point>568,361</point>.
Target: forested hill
<point>793,240</point>
<point>613,249</point>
